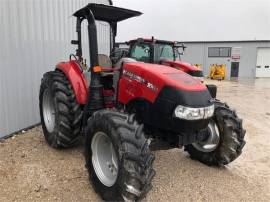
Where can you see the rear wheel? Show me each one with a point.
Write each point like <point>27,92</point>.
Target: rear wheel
<point>118,156</point>
<point>60,113</point>
<point>225,138</point>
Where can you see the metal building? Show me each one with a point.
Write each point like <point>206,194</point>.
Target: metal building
<point>243,59</point>
<point>34,36</point>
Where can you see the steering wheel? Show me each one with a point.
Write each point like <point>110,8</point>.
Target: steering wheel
<point>77,60</point>
<point>123,53</point>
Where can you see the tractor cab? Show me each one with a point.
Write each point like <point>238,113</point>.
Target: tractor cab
<point>100,12</point>
<point>153,51</point>
<point>163,52</point>
<point>99,74</point>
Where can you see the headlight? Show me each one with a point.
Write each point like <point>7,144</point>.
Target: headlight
<point>209,111</point>
<point>189,113</point>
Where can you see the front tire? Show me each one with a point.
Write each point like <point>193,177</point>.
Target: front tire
<point>229,138</point>
<point>117,155</point>
<point>59,111</point>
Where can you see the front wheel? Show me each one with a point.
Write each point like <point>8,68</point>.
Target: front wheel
<point>118,157</point>
<point>225,139</point>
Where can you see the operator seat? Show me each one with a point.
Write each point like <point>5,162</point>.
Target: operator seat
<point>104,61</point>
<point>107,71</point>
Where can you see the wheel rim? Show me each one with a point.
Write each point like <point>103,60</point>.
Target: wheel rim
<point>104,159</point>
<point>48,111</point>
<point>212,141</point>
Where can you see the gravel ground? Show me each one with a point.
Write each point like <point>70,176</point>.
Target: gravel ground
<point>32,171</point>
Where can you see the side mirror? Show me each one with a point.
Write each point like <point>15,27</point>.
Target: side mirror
<point>179,46</point>
<point>180,50</point>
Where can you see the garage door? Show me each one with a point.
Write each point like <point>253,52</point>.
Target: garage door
<point>263,63</point>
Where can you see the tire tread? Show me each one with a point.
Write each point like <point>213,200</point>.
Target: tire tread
<point>136,158</point>
<point>68,111</point>
<point>231,147</point>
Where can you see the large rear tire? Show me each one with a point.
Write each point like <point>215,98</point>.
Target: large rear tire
<point>118,157</point>
<point>59,111</point>
<point>226,138</point>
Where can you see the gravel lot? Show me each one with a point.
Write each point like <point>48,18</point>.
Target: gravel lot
<point>32,171</point>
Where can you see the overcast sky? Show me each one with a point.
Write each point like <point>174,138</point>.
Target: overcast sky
<point>192,20</point>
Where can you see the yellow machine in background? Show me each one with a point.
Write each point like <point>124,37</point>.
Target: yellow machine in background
<point>218,72</point>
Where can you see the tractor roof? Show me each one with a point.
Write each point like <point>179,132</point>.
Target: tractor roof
<point>107,13</point>
<point>152,40</point>
<point>156,41</point>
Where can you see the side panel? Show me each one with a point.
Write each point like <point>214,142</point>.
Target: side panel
<point>130,89</point>
<point>136,83</point>
<point>76,78</point>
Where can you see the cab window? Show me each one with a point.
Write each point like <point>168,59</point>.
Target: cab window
<point>141,52</point>
<point>164,52</point>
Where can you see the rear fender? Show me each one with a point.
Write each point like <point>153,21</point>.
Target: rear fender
<point>73,72</point>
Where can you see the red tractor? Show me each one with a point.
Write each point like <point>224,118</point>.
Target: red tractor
<point>122,109</point>
<point>160,52</point>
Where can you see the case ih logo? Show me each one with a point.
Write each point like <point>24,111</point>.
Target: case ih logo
<point>140,80</point>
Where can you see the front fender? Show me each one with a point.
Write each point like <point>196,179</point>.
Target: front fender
<point>73,73</point>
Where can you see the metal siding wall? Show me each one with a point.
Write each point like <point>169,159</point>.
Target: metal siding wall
<point>197,53</point>
<point>34,36</point>
<point>194,54</point>
<point>247,63</point>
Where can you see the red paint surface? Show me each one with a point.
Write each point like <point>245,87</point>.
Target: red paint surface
<point>72,71</point>
<point>184,66</point>
<point>159,76</point>
<point>130,89</point>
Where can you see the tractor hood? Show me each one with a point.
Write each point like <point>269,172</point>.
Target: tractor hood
<point>162,85</point>
<point>184,66</point>
<point>161,75</point>
<point>162,89</point>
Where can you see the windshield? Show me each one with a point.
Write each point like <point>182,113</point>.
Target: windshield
<point>141,52</point>
<point>164,51</point>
